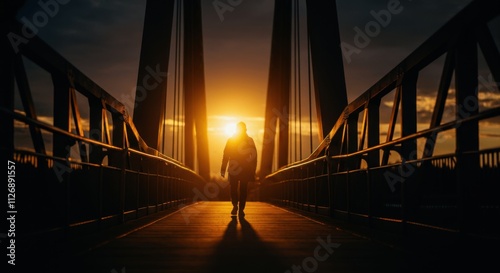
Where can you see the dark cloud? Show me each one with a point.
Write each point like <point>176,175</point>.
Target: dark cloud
<point>412,24</point>
<point>103,39</point>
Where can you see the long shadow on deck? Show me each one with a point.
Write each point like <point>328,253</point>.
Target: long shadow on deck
<point>241,250</point>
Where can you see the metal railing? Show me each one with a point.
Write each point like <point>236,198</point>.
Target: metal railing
<point>350,176</point>
<point>73,179</point>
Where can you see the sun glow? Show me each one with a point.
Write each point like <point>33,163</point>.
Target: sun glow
<point>230,129</point>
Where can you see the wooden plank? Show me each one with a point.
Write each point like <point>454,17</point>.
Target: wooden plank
<point>204,238</point>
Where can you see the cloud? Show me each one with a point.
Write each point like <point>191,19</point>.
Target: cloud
<point>403,33</point>
<point>101,38</point>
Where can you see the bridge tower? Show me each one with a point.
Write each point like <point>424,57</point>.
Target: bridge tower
<point>328,76</point>
<point>151,92</point>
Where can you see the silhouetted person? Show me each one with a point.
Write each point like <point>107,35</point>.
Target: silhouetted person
<point>241,154</point>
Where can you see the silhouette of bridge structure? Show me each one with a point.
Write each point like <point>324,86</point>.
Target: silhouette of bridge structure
<point>355,204</point>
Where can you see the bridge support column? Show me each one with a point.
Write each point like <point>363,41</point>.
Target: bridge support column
<point>96,129</point>
<point>151,92</point>
<point>328,67</point>
<point>7,81</point>
<point>373,157</point>
<point>467,134</point>
<point>408,148</point>
<point>62,116</point>
<point>277,119</point>
<point>194,90</point>
<point>115,158</point>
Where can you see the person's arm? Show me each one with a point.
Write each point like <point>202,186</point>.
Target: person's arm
<point>254,157</point>
<point>225,160</point>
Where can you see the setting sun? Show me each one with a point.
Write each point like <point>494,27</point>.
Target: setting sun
<point>230,129</point>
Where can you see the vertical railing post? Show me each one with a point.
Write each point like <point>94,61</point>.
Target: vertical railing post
<point>157,201</point>
<point>369,187</point>
<point>330,184</point>
<point>100,195</point>
<point>352,146</point>
<point>119,160</point>
<point>62,111</point>
<point>373,157</point>
<point>467,134</point>
<point>148,185</point>
<point>315,185</point>
<point>408,148</point>
<point>96,129</point>
<point>307,183</point>
<point>7,78</point>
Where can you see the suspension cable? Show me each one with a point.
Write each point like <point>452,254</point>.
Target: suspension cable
<point>180,100</point>
<point>310,92</point>
<point>174,115</point>
<point>293,93</point>
<point>296,129</point>
<point>299,75</point>
<point>175,125</point>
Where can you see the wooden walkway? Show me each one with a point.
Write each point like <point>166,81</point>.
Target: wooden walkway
<point>205,238</point>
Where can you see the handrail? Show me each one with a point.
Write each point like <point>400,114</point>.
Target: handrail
<point>483,115</point>
<point>18,116</point>
<point>47,58</point>
<point>54,129</point>
<point>475,14</point>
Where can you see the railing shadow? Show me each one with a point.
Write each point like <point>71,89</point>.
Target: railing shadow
<point>241,250</point>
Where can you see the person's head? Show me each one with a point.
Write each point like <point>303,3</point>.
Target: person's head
<point>241,128</point>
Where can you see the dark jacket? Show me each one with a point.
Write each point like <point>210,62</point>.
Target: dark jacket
<point>241,154</point>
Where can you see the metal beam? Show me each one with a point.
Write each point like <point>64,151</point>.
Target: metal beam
<point>77,120</point>
<point>328,68</point>
<point>194,90</point>
<point>96,129</point>
<point>62,116</point>
<point>8,11</point>
<point>392,122</point>
<point>373,132</point>
<point>278,88</point>
<point>442,94</point>
<point>409,115</point>
<point>151,93</point>
<point>467,134</point>
<point>490,51</point>
<point>28,104</point>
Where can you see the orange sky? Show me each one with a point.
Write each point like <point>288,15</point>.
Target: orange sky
<point>102,39</point>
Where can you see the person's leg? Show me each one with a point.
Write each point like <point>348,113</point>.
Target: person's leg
<point>234,195</point>
<point>243,194</point>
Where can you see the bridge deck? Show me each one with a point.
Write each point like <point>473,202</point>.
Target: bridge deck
<point>204,238</point>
